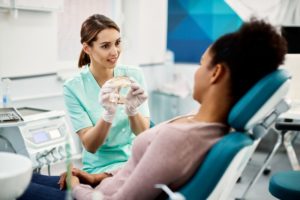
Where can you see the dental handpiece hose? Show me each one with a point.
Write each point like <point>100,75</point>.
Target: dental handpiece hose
<point>69,171</point>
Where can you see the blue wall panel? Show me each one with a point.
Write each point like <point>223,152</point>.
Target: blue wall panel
<point>194,24</point>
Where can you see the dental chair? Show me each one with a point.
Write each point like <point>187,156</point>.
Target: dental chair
<point>251,117</point>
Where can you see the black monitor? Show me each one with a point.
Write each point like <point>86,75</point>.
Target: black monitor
<point>292,35</point>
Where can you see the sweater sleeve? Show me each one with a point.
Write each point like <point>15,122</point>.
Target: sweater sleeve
<point>163,163</point>
<point>159,165</point>
<point>82,191</point>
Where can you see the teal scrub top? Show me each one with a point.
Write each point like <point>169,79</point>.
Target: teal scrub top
<point>81,99</point>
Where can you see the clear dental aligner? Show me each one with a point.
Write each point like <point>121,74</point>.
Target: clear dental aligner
<point>121,84</point>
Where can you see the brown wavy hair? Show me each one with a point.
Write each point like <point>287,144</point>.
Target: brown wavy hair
<point>89,31</point>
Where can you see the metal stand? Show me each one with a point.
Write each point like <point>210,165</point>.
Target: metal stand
<point>288,138</point>
<point>283,137</point>
<point>265,164</point>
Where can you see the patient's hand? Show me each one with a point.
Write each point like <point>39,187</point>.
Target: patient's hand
<point>74,181</point>
<point>84,177</point>
<point>81,175</point>
<point>62,181</point>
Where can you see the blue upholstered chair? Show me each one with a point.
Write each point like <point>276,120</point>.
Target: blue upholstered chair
<point>285,185</point>
<point>251,117</point>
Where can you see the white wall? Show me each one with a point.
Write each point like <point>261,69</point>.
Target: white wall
<point>292,64</point>
<point>28,43</point>
<point>45,42</point>
<point>144,32</point>
<point>35,43</point>
<point>69,25</point>
<point>38,42</point>
<point>277,12</point>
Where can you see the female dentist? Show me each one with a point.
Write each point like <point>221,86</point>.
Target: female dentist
<point>105,129</point>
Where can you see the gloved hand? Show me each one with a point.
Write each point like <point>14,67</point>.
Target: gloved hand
<point>135,97</point>
<point>104,100</point>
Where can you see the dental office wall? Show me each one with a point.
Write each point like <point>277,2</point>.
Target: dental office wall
<point>40,44</point>
<point>30,51</point>
<point>280,13</point>
<point>194,25</point>
<point>46,44</point>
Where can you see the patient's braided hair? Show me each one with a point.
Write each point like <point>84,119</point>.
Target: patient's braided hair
<point>250,53</point>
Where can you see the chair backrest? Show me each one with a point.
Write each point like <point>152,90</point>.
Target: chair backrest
<point>249,112</point>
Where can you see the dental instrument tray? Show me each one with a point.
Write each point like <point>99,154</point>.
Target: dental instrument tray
<point>10,115</point>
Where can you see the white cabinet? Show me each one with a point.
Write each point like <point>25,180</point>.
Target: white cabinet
<point>33,5</point>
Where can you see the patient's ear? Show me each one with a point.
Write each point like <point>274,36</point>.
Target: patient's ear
<point>218,73</point>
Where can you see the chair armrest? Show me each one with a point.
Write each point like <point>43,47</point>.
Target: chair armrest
<point>172,195</point>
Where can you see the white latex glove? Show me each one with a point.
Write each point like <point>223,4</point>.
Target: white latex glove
<point>135,97</point>
<point>104,99</point>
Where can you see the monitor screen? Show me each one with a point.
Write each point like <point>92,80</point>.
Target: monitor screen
<point>292,36</point>
<point>40,137</point>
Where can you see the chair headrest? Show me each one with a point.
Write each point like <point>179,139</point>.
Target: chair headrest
<point>259,100</point>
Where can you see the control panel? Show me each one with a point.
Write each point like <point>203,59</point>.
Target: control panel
<point>41,135</point>
<point>46,140</point>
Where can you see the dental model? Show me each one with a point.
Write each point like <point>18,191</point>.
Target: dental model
<point>121,84</point>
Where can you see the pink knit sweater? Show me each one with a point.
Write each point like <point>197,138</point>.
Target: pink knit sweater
<point>169,154</point>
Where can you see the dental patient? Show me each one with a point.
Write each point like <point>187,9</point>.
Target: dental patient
<point>171,152</point>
